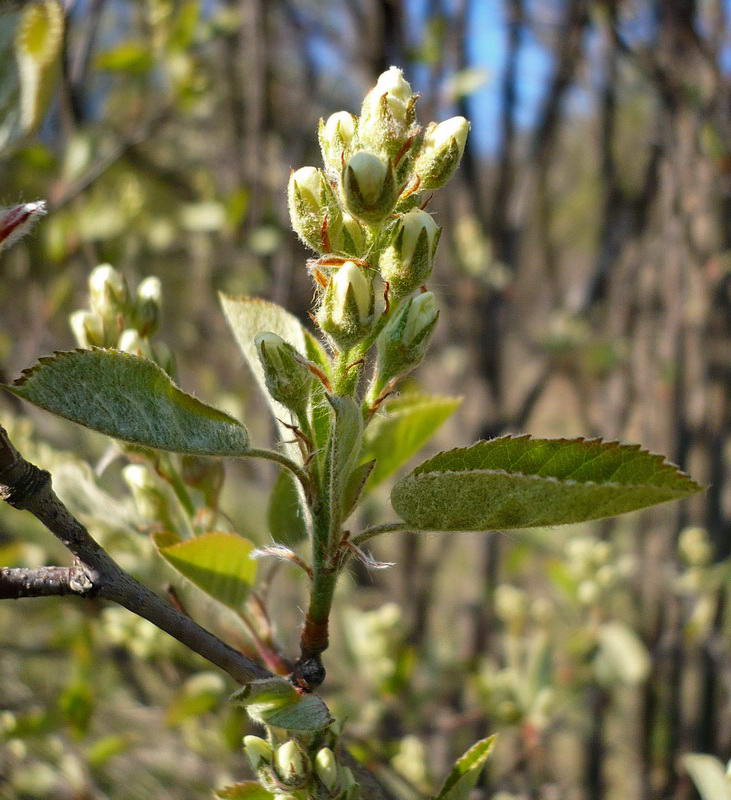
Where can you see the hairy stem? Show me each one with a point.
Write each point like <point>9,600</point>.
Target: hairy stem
<point>377,530</point>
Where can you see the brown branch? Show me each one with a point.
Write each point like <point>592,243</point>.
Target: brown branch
<point>28,488</point>
<point>43,581</point>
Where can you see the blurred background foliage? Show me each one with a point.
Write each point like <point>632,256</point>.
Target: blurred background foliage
<point>585,282</point>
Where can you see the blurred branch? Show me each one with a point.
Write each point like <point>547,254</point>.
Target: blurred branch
<point>26,487</point>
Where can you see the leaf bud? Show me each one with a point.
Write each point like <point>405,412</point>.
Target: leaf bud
<point>258,750</point>
<point>441,151</point>
<point>387,114</point>
<point>346,311</point>
<point>313,209</point>
<point>286,372</point>
<point>149,301</point>
<point>336,135</point>
<point>88,328</point>
<point>108,291</point>
<point>407,261</point>
<point>15,222</point>
<point>291,763</point>
<point>403,342</point>
<point>369,187</point>
<point>326,768</point>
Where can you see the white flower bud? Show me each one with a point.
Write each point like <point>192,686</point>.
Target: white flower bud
<point>403,343</point>
<point>588,592</point>
<point>130,342</point>
<point>423,313</point>
<point>347,307</point>
<point>326,768</point>
<point>15,222</point>
<point>258,750</point>
<point>108,290</point>
<point>369,187</point>
<point>354,240</point>
<point>350,278</point>
<point>441,152</point>
<point>313,209</point>
<point>340,126</point>
<point>407,262</point>
<point>387,113</point>
<point>290,762</point>
<point>88,328</point>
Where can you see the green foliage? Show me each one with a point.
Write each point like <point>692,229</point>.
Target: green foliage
<point>409,422</point>
<point>275,702</point>
<point>466,771</point>
<point>132,399</point>
<point>519,482</point>
<point>286,517</point>
<point>218,563</point>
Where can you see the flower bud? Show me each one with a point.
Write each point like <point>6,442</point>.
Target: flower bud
<point>291,763</point>
<point>149,301</point>
<point>130,342</point>
<point>258,750</point>
<point>108,290</point>
<point>88,328</point>
<point>407,262</point>
<point>286,373</point>
<point>403,343</point>
<point>326,768</point>
<point>313,209</point>
<point>15,222</point>
<point>336,136</point>
<point>441,151</point>
<point>347,306</point>
<point>353,240</point>
<point>388,113</point>
<point>369,187</point>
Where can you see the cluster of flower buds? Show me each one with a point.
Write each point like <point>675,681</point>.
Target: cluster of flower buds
<point>117,318</point>
<point>288,376</point>
<point>289,773</point>
<point>361,212</point>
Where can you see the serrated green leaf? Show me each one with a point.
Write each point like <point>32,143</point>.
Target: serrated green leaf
<point>408,423</point>
<point>132,399</point>
<point>218,563</point>
<point>466,771</point>
<point>249,790</point>
<point>37,45</point>
<point>287,521</point>
<point>520,482</point>
<point>708,775</point>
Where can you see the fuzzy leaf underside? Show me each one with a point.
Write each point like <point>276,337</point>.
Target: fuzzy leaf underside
<point>218,563</point>
<point>274,701</point>
<point>466,771</point>
<point>408,424</point>
<point>520,482</point>
<point>130,398</point>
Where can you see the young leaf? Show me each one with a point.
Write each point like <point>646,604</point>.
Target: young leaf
<point>346,440</point>
<point>708,775</point>
<point>249,790</point>
<point>218,563</point>
<point>408,424</point>
<point>287,522</point>
<point>248,316</point>
<point>466,771</point>
<point>519,482</point>
<point>129,398</point>
<point>275,701</point>
<point>355,485</point>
